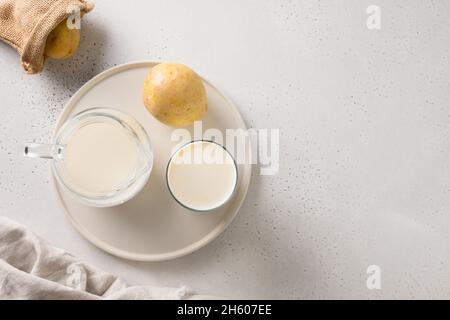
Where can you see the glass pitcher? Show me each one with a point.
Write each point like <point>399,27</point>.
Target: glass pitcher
<point>103,157</point>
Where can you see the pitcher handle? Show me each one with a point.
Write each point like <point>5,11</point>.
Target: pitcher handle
<point>45,151</point>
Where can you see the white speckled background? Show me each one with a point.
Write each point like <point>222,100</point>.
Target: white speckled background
<point>365,141</point>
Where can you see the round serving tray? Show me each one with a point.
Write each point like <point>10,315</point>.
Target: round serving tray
<point>152,226</point>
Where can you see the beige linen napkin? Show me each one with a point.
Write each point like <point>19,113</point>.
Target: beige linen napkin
<point>30,268</point>
<point>26,24</point>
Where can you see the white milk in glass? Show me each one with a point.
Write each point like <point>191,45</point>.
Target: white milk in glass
<point>202,175</point>
<point>101,158</point>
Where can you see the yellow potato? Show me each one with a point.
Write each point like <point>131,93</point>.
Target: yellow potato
<point>62,42</point>
<point>174,94</point>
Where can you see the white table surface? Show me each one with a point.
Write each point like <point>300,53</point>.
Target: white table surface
<point>365,141</point>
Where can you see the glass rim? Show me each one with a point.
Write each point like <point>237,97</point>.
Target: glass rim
<point>213,208</point>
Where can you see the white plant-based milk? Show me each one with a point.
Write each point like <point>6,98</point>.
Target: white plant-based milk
<point>101,158</point>
<point>202,175</point>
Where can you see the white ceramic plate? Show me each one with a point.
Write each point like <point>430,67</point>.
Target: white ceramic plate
<point>152,226</point>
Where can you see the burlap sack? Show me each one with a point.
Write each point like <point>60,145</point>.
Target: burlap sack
<point>25,25</point>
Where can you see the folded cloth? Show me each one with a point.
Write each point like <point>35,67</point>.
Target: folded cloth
<point>26,24</point>
<point>30,268</point>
